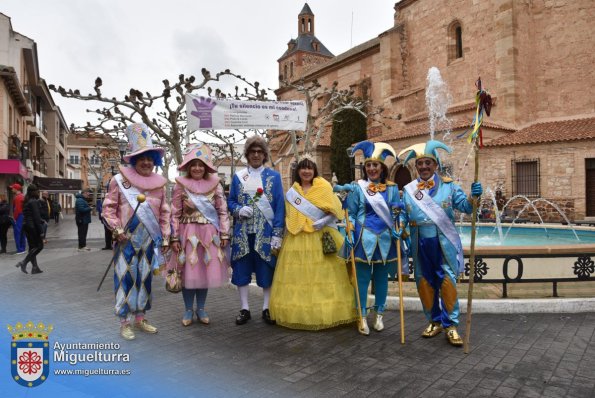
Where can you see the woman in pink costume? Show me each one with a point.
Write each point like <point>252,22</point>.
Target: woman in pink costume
<point>200,226</point>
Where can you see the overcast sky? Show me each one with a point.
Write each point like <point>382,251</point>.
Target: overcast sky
<point>134,43</point>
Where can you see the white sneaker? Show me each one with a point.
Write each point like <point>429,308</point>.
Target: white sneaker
<point>17,253</point>
<point>84,249</point>
<point>378,324</point>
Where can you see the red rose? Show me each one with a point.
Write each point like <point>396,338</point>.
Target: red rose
<point>259,191</point>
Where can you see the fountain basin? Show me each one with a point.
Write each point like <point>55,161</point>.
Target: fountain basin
<point>531,254</point>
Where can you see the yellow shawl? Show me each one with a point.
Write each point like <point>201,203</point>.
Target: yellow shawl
<point>320,195</point>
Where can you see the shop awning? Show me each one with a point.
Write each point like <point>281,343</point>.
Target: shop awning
<point>13,166</point>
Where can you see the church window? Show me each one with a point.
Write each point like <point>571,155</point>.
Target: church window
<point>455,41</point>
<point>525,177</point>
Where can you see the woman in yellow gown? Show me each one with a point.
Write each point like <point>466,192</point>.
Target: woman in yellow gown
<point>311,290</point>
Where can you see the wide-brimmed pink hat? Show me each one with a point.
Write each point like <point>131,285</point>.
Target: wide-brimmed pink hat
<point>199,151</point>
<point>139,141</point>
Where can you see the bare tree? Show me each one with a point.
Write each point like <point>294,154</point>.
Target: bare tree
<point>333,102</point>
<point>164,113</point>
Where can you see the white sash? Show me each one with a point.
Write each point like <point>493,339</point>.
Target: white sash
<point>144,213</point>
<point>251,183</point>
<point>205,206</point>
<point>377,202</point>
<point>438,216</point>
<point>306,207</point>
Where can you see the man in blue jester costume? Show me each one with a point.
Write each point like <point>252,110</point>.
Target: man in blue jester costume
<point>141,236</point>
<point>430,202</point>
<point>370,203</point>
<point>257,203</point>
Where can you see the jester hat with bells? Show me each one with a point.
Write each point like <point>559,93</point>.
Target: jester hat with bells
<point>374,151</point>
<point>425,150</point>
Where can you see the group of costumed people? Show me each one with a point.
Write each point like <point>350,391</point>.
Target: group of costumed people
<point>290,241</point>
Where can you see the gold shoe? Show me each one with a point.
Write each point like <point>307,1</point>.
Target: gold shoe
<point>453,336</point>
<point>126,332</point>
<point>432,330</point>
<point>145,326</point>
<point>363,327</point>
<point>187,319</point>
<point>203,317</point>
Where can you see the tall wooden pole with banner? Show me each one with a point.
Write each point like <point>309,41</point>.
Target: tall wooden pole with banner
<point>483,102</point>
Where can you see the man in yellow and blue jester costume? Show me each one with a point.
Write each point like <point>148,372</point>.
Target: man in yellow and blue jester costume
<point>430,202</point>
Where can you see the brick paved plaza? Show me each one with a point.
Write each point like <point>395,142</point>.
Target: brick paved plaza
<point>528,355</point>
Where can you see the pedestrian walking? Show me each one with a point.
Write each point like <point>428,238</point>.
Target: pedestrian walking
<point>5,224</point>
<point>17,214</point>
<point>56,210</point>
<point>82,217</point>
<point>45,211</point>
<point>33,227</point>
<point>200,226</point>
<point>107,233</point>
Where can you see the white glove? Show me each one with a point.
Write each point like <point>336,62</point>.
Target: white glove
<point>319,224</point>
<point>275,242</point>
<point>246,212</point>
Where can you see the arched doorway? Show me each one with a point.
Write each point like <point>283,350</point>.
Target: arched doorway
<point>400,175</point>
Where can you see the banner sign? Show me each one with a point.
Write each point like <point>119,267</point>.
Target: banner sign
<point>58,184</point>
<point>213,113</point>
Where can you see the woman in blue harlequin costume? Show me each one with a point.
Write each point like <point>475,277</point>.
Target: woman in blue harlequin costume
<point>369,203</point>
<point>430,202</point>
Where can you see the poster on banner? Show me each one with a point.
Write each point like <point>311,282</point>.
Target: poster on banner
<point>216,113</point>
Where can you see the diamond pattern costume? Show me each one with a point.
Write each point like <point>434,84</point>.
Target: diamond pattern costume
<point>135,259</point>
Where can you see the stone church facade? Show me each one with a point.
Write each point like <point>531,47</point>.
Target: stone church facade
<point>535,57</point>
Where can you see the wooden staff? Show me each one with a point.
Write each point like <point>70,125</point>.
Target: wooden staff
<point>475,201</point>
<point>354,270</point>
<point>400,276</point>
<point>140,198</point>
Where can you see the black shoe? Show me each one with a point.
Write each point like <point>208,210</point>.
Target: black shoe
<point>243,317</point>
<point>36,271</point>
<point>23,266</point>
<point>266,316</point>
<point>2,251</point>
<point>106,248</point>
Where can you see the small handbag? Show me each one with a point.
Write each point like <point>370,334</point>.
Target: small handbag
<point>328,243</point>
<point>173,281</point>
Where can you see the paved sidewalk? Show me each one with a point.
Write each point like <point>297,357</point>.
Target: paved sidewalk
<point>516,355</point>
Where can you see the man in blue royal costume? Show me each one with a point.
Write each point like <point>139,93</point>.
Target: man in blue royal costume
<point>370,203</point>
<point>257,204</point>
<point>430,202</point>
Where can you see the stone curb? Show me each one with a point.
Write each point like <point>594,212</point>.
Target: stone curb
<point>491,306</point>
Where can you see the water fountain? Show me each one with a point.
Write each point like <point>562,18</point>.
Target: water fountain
<point>540,252</point>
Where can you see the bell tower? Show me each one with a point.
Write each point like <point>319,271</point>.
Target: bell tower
<point>303,53</point>
<point>306,21</point>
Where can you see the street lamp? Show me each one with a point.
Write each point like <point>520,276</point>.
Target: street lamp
<point>351,157</point>
<point>113,162</point>
<point>122,146</point>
